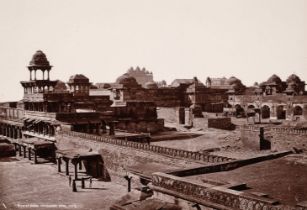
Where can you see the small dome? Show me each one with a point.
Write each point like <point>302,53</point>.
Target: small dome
<point>39,60</point>
<point>60,86</point>
<point>293,79</point>
<point>233,80</point>
<point>78,78</point>
<point>151,85</point>
<point>125,79</point>
<point>274,79</point>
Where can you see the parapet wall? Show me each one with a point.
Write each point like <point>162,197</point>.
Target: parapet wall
<point>190,155</point>
<point>281,138</point>
<point>217,197</point>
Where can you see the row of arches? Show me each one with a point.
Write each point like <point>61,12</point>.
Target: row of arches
<point>266,111</point>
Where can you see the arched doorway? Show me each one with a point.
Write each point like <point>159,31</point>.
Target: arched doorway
<point>265,112</point>
<point>297,110</point>
<point>239,111</point>
<point>280,112</point>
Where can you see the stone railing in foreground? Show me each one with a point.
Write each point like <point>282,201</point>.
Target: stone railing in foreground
<point>217,197</point>
<point>196,156</point>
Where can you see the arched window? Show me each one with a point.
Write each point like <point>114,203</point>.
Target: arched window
<point>297,110</point>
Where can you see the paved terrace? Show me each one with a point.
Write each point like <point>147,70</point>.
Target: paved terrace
<point>25,185</point>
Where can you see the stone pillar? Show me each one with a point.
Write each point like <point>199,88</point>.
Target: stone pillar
<point>59,164</point>
<point>35,157</point>
<point>24,151</point>
<point>76,170</point>
<point>29,153</point>
<point>19,149</point>
<point>66,167</point>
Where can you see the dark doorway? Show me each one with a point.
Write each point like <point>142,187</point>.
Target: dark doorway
<point>281,113</point>
<point>265,112</point>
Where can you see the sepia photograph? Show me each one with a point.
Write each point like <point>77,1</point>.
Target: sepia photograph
<point>153,105</point>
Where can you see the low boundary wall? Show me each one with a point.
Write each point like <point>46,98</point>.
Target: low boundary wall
<point>190,155</point>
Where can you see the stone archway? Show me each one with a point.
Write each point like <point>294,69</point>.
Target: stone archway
<point>239,111</point>
<point>297,110</point>
<point>265,112</point>
<point>280,112</point>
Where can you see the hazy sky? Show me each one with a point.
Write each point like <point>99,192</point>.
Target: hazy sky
<point>250,39</point>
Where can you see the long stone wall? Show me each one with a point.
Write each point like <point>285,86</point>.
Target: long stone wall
<point>281,138</point>
<point>190,155</point>
<point>216,197</point>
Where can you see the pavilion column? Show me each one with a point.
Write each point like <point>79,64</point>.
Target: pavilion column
<point>48,76</point>
<point>30,75</point>
<point>29,153</point>
<point>35,157</point>
<point>66,167</point>
<point>12,132</point>
<point>8,131</point>
<point>20,134</point>
<point>24,151</point>
<point>15,133</point>
<point>59,164</point>
<point>43,75</point>
<point>34,74</point>
<point>19,149</point>
<point>47,130</point>
<point>76,170</point>
<point>15,145</point>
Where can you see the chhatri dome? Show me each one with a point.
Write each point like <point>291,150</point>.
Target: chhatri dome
<point>274,79</point>
<point>39,61</point>
<point>125,79</point>
<point>293,79</point>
